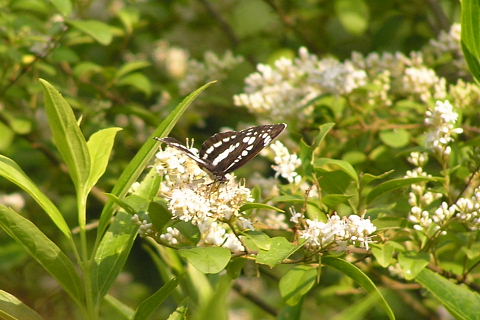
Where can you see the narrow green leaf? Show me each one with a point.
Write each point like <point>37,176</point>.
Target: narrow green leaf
<point>412,263</point>
<point>359,310</point>
<point>12,172</point>
<point>395,184</point>
<point>42,249</point>
<point>368,177</point>
<point>113,252</point>
<point>14,309</point>
<point>122,204</point>
<point>215,307</point>
<point>254,205</point>
<point>100,147</point>
<point>471,35</point>
<point>334,164</point>
<point>64,6</point>
<point>67,136</point>
<point>138,81</point>
<point>296,283</point>
<point>130,67</point>
<point>361,278</point>
<point>124,311</point>
<point>459,300</point>
<point>99,31</point>
<point>280,249</point>
<point>149,305</point>
<point>143,156</point>
<point>324,130</point>
<point>207,259</point>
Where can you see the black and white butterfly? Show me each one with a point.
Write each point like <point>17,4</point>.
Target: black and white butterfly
<point>227,151</point>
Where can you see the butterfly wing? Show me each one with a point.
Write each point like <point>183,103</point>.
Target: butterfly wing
<point>228,151</point>
<point>174,143</point>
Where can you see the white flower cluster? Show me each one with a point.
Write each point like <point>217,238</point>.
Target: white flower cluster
<point>336,231</point>
<point>468,210</point>
<point>285,163</point>
<point>213,67</point>
<point>420,198</point>
<point>194,197</point>
<point>14,200</point>
<point>441,119</point>
<point>287,87</point>
<point>173,59</point>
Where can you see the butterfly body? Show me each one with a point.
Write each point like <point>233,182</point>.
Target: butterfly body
<point>227,151</point>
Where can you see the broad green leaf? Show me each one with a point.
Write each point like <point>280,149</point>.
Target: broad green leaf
<point>207,259</point>
<point>296,283</point>
<point>7,135</point>
<point>138,81</point>
<point>412,263</point>
<point>361,278</point>
<point>99,31</point>
<point>12,308</point>
<point>42,249</point>
<point>383,253</point>
<point>395,184</point>
<point>291,312</point>
<point>471,35</point>
<point>251,17</point>
<point>254,205</point>
<point>100,147</point>
<point>395,138</point>
<point>67,136</point>
<point>149,305</point>
<point>122,204</point>
<point>280,249</point>
<point>64,6</point>
<point>143,156</point>
<point>353,14</point>
<point>354,157</point>
<point>150,185</point>
<point>124,311</point>
<point>159,214</point>
<point>333,164</point>
<point>333,200</point>
<point>130,67</point>
<point>235,267</point>
<point>458,299</point>
<point>12,172</point>
<point>112,253</point>
<point>129,16</point>
<point>323,131</point>
<point>256,240</point>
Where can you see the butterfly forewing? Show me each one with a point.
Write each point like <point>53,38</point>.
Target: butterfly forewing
<point>225,152</point>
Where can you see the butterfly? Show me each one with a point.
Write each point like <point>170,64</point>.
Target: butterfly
<point>225,152</point>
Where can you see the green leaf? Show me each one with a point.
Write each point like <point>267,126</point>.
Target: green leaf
<point>459,300</point>
<point>129,67</point>
<point>63,6</point>
<point>353,14</point>
<point>256,240</point>
<point>67,135</point>
<point>324,130</point>
<point>149,305</point>
<point>296,283</point>
<point>471,35</point>
<point>100,147</point>
<point>361,278</point>
<point>7,135</point>
<point>14,309</point>
<point>138,81</point>
<point>333,200</point>
<point>42,249</point>
<point>367,177</point>
<point>254,205</point>
<point>124,311</point>
<point>150,185</point>
<point>280,249</point>
<point>159,214</point>
<point>395,138</point>
<point>333,165</point>
<point>122,204</point>
<point>207,259</point>
<point>395,184</point>
<point>412,263</point>
<point>101,32</point>
<point>179,314</point>
<point>12,172</point>
<point>383,253</point>
<point>215,307</point>
<point>112,253</point>
<point>143,156</point>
